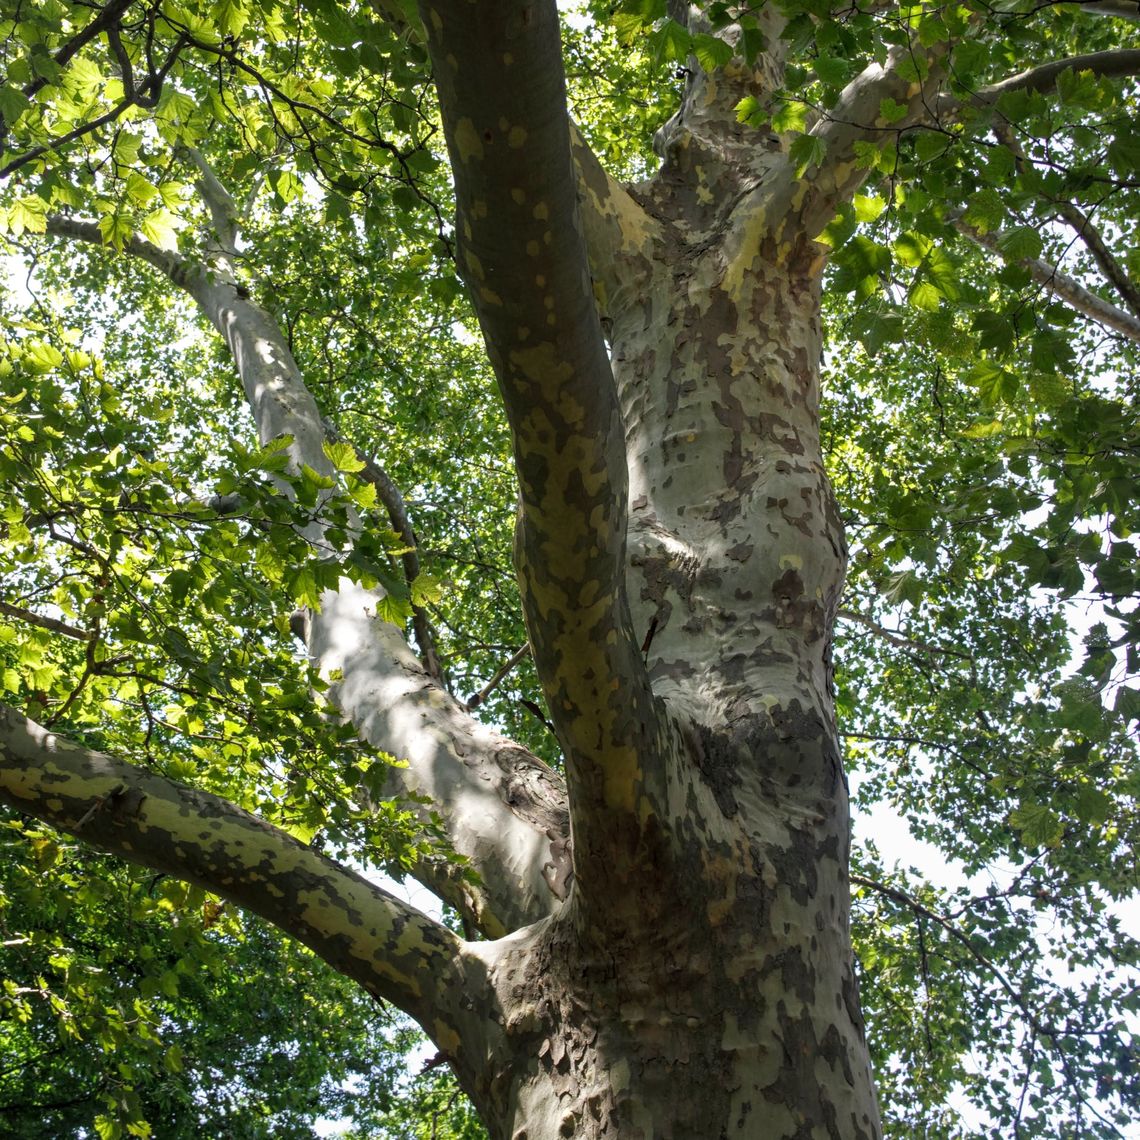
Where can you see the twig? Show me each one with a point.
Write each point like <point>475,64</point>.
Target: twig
<point>476,699</point>
<point>1110,267</point>
<point>1069,290</point>
<point>397,510</point>
<point>898,639</point>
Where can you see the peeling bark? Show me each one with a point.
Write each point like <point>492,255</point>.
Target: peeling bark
<point>366,933</point>
<point>682,968</point>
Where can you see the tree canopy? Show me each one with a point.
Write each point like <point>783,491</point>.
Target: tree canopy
<point>215,212</point>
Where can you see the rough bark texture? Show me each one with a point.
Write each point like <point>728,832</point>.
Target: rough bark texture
<point>683,968</point>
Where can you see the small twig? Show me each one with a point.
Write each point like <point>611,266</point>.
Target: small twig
<point>476,699</point>
<point>97,805</point>
<point>1112,269</point>
<point>1070,291</point>
<point>898,639</point>
<point>393,501</point>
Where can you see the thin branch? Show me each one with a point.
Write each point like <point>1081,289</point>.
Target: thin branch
<point>1062,285</point>
<point>223,209</point>
<point>476,699</point>
<point>901,897</point>
<point>46,622</point>
<point>1082,224</point>
<point>142,96</point>
<point>1042,1029</point>
<point>898,639</point>
<point>109,17</point>
<point>394,504</point>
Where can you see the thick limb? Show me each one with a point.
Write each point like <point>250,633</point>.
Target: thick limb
<point>509,840</point>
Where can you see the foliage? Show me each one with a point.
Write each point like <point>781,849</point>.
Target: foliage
<point>133,1005</point>
<point>981,434</point>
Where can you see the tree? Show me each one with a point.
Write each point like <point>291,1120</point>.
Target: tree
<point>652,878</point>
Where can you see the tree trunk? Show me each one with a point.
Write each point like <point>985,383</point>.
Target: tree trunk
<point>669,914</point>
<point>718,999</point>
<point>699,981</point>
<point>705,987</point>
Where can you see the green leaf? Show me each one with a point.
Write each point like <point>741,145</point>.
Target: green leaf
<point>890,111</point>
<point>986,210</point>
<point>426,590</point>
<point>140,190</point>
<point>1124,152</point>
<point>116,229</point>
<point>29,214</point>
<point>13,103</point>
<point>1038,825</point>
<point>393,610</point>
<point>159,227</point>
<point>749,110</point>
<point>994,383</point>
<point>984,429</point>
<point>868,207</point>
<point>1020,242</point>
<point>342,455</point>
<point>806,151</point>
<point>833,70</point>
<point>711,51</point>
<point>790,116</point>
<point>671,42</point>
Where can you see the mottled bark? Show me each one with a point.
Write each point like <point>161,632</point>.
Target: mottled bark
<point>366,933</point>
<point>684,968</point>
<point>522,251</point>
<point>700,981</point>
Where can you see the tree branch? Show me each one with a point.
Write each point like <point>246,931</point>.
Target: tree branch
<point>1043,78</point>
<point>1082,224</point>
<point>391,949</point>
<point>1054,1034</point>
<point>1122,9</point>
<point>46,622</point>
<point>503,809</point>
<point>898,639</point>
<point>389,494</point>
<point>523,256</point>
<point>620,235</point>
<point>856,117</point>
<point>146,95</point>
<point>476,699</point>
<point>1062,285</point>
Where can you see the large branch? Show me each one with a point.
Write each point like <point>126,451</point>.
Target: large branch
<point>1072,292</point>
<point>621,237</point>
<point>1122,9</point>
<point>391,949</point>
<point>502,808</point>
<point>1044,77</point>
<point>498,68</point>
<point>857,117</point>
